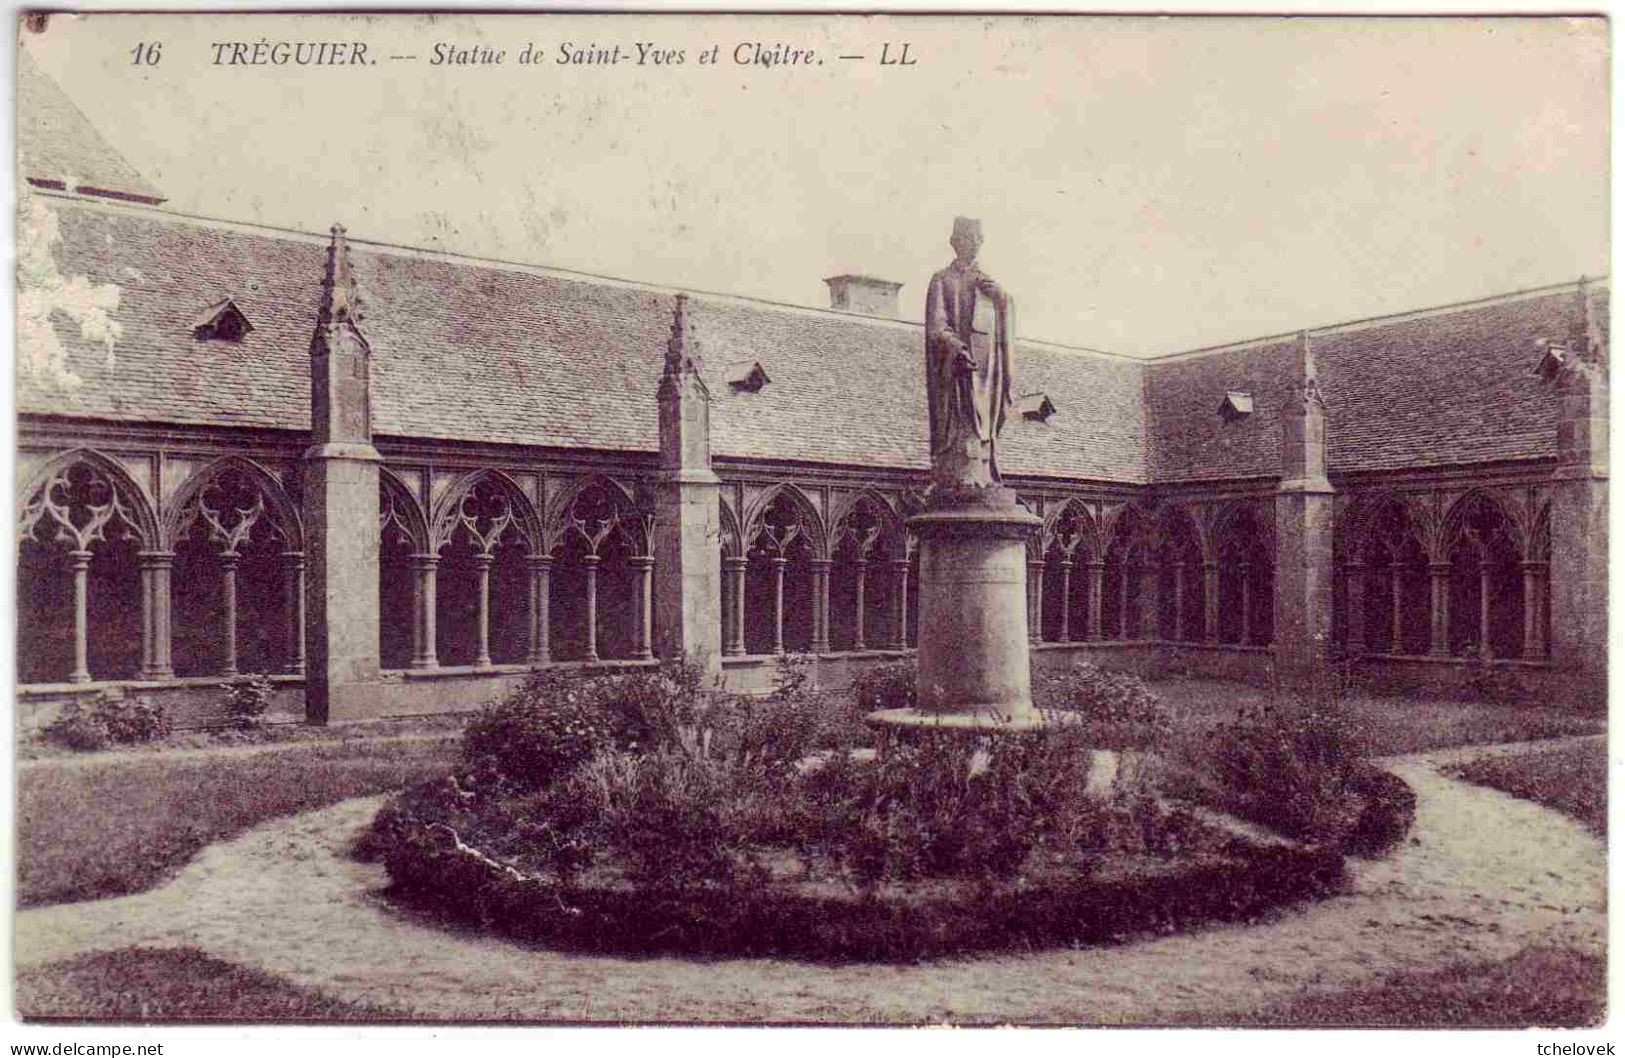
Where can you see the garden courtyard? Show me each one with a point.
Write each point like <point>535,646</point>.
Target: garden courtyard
<point>199,882</point>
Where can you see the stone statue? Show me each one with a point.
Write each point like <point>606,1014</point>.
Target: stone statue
<point>968,326</point>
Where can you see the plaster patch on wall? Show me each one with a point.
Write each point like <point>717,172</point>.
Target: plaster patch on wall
<point>43,291</point>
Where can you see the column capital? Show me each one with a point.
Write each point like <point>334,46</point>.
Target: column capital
<point>641,562</point>
<point>1439,569</point>
<point>1533,564</point>
<point>819,565</point>
<point>155,559</point>
<point>540,561</point>
<point>293,558</point>
<point>422,560</point>
<point>735,562</point>
<point>485,559</point>
<point>1097,563</point>
<point>591,559</point>
<point>229,559</point>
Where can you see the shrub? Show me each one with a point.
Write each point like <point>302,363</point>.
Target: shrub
<point>246,700</point>
<point>890,686</point>
<point>1387,811</point>
<point>935,805</point>
<point>556,722</point>
<point>1488,682</point>
<point>1117,708</point>
<point>1289,767</point>
<point>671,819</point>
<point>539,732</point>
<point>109,719</point>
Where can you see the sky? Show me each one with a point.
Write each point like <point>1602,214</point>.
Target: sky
<point>1146,185</point>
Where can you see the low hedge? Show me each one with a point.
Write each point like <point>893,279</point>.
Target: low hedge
<point>1387,811</point>
<point>819,921</point>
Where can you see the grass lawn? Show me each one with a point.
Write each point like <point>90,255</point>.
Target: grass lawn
<point>1573,780</point>
<point>1546,987</point>
<point>1388,725</point>
<point>171,984</point>
<point>36,746</point>
<point>121,824</point>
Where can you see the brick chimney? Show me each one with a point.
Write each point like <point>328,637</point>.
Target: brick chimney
<point>863,295</point>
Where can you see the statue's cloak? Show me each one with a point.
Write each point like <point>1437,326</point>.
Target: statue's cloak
<point>970,403</point>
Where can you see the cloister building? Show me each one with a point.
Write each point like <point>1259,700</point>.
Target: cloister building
<point>398,480</point>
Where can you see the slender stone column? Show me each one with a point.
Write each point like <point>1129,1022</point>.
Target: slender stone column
<point>1439,629</point>
<point>228,604</point>
<point>591,563</point>
<point>1355,628</point>
<point>80,563</point>
<point>779,562</point>
<point>1179,602</point>
<point>424,582</point>
<point>541,609</point>
<point>643,566</point>
<point>1122,602</point>
<point>736,627</point>
<point>899,604</point>
<point>820,629</point>
<point>1244,571</point>
<point>857,622</point>
<point>1150,602</point>
<point>1097,598</point>
<point>155,653</point>
<point>1035,601</point>
<point>1066,600</point>
<point>293,566</point>
<point>1483,604</point>
<point>1210,602</point>
<point>1532,646</point>
<point>1396,610</point>
<point>482,567</point>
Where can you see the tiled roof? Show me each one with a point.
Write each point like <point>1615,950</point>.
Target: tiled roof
<point>1429,389</point>
<point>847,389</point>
<point>58,147</point>
<point>474,351</point>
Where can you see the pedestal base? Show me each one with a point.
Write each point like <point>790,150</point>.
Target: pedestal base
<point>975,670</point>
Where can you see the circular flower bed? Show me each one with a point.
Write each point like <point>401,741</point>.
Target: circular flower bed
<point>638,814</point>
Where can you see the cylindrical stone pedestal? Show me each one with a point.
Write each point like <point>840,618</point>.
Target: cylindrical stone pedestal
<point>974,666</point>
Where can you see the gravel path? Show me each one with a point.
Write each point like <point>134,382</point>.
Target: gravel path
<point>1484,876</point>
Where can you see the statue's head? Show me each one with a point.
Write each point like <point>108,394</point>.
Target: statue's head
<point>966,239</point>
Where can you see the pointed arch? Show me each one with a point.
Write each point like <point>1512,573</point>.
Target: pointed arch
<point>279,506</point>
<point>632,522</point>
<point>133,504</point>
<point>449,514</point>
<point>1380,518</point>
<point>399,507</point>
<point>1176,528</point>
<point>1480,510</point>
<point>1240,526</point>
<point>1084,534</point>
<point>731,540</point>
<point>807,517</point>
<point>892,534</point>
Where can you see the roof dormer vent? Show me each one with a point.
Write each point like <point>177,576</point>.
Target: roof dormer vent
<point>747,376</point>
<point>221,322</point>
<point>1553,358</point>
<point>1237,404</point>
<point>1035,407</point>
